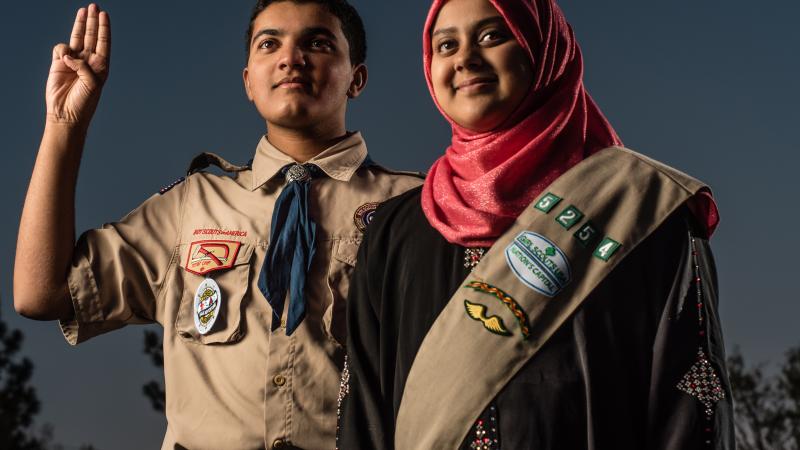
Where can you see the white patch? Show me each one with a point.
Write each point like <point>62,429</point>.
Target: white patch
<point>538,263</point>
<point>207,302</point>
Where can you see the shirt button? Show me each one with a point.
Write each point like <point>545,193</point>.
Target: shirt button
<point>279,380</point>
<point>279,443</point>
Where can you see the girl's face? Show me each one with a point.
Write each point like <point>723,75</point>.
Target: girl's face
<point>479,72</point>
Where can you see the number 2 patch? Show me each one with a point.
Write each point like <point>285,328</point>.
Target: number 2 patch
<point>569,217</point>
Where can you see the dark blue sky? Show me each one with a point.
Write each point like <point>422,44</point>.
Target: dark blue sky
<point>709,87</point>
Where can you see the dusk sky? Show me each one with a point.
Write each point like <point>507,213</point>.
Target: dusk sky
<point>709,87</point>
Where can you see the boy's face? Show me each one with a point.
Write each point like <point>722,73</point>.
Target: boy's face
<point>299,73</point>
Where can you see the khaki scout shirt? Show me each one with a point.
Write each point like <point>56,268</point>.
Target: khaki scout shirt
<point>240,386</point>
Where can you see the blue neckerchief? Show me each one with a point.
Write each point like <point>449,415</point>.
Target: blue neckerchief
<point>291,248</point>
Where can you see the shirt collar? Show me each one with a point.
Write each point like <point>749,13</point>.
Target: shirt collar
<point>339,161</point>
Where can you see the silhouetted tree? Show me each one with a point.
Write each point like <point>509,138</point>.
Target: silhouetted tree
<point>154,390</point>
<point>18,401</point>
<point>766,407</point>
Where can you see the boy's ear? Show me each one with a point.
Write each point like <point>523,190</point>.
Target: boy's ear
<point>246,81</point>
<point>359,81</point>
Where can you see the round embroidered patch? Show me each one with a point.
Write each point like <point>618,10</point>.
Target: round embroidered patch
<point>363,215</point>
<point>538,263</point>
<point>207,302</point>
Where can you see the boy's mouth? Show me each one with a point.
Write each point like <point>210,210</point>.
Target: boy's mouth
<point>295,82</point>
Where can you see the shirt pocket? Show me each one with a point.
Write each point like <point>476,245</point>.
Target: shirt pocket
<point>340,270</point>
<point>234,285</point>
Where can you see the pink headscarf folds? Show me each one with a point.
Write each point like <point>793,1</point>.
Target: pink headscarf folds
<point>484,180</point>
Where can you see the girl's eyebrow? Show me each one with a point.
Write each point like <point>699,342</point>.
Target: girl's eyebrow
<point>480,23</point>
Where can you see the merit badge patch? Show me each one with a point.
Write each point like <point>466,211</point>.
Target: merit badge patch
<point>538,263</point>
<point>363,215</point>
<point>508,301</point>
<point>207,302</point>
<point>208,256</point>
<point>494,324</point>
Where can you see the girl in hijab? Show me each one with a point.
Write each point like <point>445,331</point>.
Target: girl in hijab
<point>545,288</point>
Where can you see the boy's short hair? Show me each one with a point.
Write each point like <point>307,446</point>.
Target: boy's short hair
<point>352,25</point>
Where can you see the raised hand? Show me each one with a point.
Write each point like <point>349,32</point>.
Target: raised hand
<point>80,69</point>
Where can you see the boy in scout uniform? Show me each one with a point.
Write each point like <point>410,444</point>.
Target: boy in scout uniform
<point>248,272</point>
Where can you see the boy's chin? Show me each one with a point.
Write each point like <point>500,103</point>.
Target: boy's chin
<point>293,118</point>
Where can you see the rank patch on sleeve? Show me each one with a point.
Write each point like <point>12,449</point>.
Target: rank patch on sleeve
<point>208,256</point>
<point>363,215</point>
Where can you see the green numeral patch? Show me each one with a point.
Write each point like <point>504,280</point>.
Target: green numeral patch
<point>569,217</point>
<point>547,202</point>
<point>585,234</point>
<point>606,249</point>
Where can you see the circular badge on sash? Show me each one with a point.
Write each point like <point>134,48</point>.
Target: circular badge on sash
<point>207,301</point>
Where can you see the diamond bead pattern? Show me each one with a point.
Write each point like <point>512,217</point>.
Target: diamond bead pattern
<point>702,382</point>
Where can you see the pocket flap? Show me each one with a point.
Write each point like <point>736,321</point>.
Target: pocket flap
<point>346,251</point>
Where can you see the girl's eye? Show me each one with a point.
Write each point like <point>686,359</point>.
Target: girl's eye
<point>491,36</point>
<point>446,46</point>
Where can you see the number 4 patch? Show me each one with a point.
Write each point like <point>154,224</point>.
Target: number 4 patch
<point>606,249</point>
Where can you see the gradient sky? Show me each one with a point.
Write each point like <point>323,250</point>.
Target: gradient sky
<point>709,87</point>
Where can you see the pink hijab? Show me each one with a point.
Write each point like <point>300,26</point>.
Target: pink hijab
<point>484,180</point>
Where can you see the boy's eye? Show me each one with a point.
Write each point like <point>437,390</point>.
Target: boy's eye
<point>321,44</point>
<point>268,44</point>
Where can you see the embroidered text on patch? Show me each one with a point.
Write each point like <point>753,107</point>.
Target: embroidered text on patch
<point>219,232</point>
<point>538,263</point>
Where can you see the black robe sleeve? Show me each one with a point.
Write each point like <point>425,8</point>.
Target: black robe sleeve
<point>690,402</point>
<point>363,423</point>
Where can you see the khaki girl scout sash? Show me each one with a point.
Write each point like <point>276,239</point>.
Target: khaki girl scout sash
<point>528,284</point>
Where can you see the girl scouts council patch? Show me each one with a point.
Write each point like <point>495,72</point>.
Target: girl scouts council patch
<point>363,215</point>
<point>538,263</point>
<point>207,302</point>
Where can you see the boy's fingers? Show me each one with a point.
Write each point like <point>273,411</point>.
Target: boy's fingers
<point>104,35</point>
<point>59,51</point>
<point>78,31</point>
<point>90,39</point>
<point>82,68</point>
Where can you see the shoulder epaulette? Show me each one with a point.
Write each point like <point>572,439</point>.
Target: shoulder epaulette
<point>166,188</point>
<point>371,164</point>
<point>205,159</point>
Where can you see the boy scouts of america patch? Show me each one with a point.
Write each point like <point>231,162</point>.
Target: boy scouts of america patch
<point>538,263</point>
<point>207,301</point>
<point>363,215</point>
<point>208,256</point>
